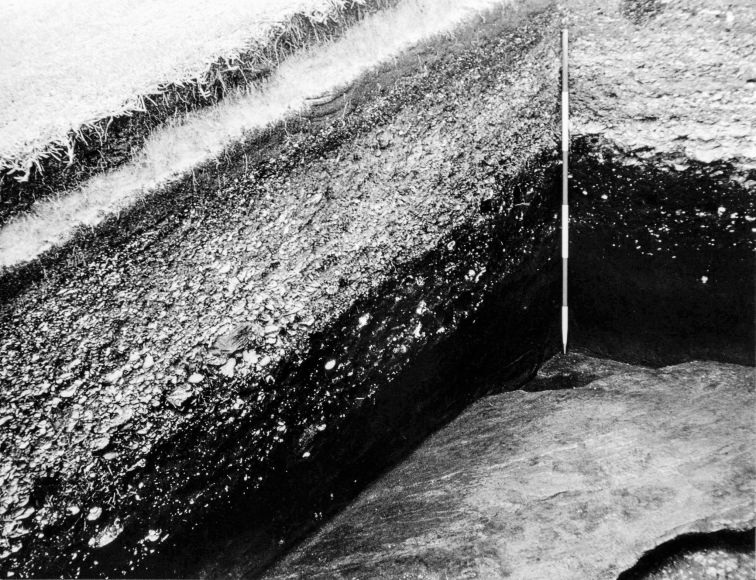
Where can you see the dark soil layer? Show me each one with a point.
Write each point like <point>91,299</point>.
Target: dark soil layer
<point>113,141</point>
<point>661,261</point>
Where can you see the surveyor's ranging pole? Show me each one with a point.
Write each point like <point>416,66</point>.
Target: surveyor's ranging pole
<point>565,171</point>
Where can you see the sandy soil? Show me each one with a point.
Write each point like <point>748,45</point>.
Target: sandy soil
<point>674,81</point>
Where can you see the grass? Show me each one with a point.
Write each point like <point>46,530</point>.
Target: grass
<point>70,67</point>
<point>173,150</point>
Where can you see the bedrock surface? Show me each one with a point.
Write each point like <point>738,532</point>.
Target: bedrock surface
<point>557,484</point>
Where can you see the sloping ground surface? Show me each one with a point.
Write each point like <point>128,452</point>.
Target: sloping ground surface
<point>305,84</point>
<point>73,110</point>
<point>200,350</point>
<point>68,64</point>
<point>573,484</point>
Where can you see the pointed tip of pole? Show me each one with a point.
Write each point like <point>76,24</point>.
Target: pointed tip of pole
<point>564,329</point>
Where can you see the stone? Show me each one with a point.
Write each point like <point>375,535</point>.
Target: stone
<point>94,514</point>
<point>570,484</point>
<point>180,396</point>
<point>100,443</point>
<point>237,339</point>
<point>107,534</point>
<point>113,377</point>
<point>124,416</point>
<point>227,370</point>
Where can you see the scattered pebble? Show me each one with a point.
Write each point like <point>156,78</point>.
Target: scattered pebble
<point>94,514</point>
<point>179,397</point>
<point>271,330</point>
<point>330,365</point>
<point>107,534</point>
<point>114,377</point>
<point>227,370</point>
<point>124,416</point>
<point>25,514</point>
<point>196,378</point>
<point>100,443</point>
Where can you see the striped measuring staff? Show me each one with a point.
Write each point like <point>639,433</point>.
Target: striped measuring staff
<point>565,178</point>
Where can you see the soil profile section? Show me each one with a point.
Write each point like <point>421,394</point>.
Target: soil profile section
<point>202,346</point>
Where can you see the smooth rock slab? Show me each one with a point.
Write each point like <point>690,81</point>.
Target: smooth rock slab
<point>555,484</point>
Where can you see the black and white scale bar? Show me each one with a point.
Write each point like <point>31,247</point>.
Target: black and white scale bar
<point>565,200</point>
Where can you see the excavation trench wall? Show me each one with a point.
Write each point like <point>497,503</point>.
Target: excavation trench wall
<point>631,301</point>
<point>661,260</point>
<point>248,464</point>
<point>360,245</point>
<point>488,334</point>
<point>483,334</point>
